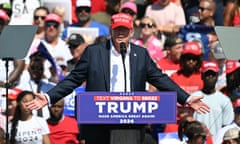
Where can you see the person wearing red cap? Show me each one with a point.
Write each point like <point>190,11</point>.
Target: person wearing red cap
<point>105,57</point>
<point>233,79</point>
<point>189,76</point>
<point>221,113</point>
<point>12,96</point>
<point>26,128</point>
<point>52,44</point>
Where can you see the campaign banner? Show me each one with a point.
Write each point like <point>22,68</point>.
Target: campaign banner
<point>126,108</point>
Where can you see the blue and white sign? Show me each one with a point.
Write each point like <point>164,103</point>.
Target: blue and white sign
<point>69,105</point>
<point>126,108</point>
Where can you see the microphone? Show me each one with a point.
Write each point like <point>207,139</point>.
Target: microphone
<point>123,51</point>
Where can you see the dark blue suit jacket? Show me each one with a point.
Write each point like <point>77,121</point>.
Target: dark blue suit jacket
<point>94,68</point>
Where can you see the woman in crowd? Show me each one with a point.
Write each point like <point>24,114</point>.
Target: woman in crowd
<point>148,38</point>
<point>26,128</point>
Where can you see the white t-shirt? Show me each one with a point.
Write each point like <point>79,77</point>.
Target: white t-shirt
<point>221,111</point>
<point>31,131</point>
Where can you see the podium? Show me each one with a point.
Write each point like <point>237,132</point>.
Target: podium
<point>121,117</point>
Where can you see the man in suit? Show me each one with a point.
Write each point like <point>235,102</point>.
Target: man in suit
<point>101,66</point>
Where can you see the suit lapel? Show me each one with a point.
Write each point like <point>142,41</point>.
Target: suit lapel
<point>105,55</point>
<point>133,65</point>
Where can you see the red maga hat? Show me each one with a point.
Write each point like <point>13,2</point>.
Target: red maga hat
<point>121,19</point>
<point>232,65</point>
<point>191,48</point>
<point>206,66</point>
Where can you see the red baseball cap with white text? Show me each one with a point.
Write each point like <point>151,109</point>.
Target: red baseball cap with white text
<point>232,65</point>
<point>121,19</point>
<point>206,66</point>
<point>191,48</point>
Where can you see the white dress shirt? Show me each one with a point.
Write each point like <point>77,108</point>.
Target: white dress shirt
<point>117,71</point>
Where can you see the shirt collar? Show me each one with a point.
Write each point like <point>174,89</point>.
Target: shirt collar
<point>114,51</point>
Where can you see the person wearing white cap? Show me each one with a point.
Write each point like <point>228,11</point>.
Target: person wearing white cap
<point>83,13</point>
<point>218,139</point>
<point>232,136</point>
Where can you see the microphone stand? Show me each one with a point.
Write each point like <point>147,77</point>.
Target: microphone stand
<point>7,86</point>
<point>123,53</point>
<point>125,77</point>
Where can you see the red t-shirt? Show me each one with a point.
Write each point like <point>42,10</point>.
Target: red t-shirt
<point>168,66</point>
<point>189,84</point>
<point>64,132</point>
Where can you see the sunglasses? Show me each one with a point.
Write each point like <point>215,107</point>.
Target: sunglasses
<point>203,8</point>
<point>128,11</point>
<point>39,17</point>
<point>149,25</point>
<point>191,57</point>
<point>54,24</point>
<point>81,9</point>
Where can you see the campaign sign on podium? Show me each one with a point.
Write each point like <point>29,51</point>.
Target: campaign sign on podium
<point>126,108</point>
